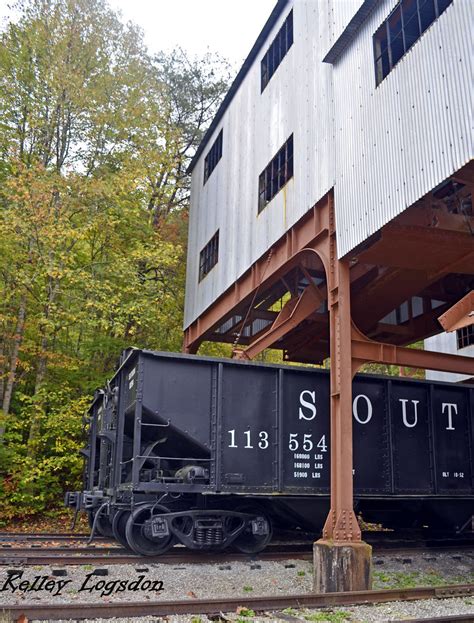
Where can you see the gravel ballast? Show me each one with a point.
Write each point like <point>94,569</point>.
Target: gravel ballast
<point>157,581</point>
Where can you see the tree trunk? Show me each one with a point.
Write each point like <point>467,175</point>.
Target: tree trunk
<point>40,376</point>
<point>2,370</point>
<point>17,340</point>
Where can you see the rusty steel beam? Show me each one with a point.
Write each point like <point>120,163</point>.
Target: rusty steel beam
<point>365,350</point>
<point>292,314</point>
<point>459,315</point>
<point>264,272</point>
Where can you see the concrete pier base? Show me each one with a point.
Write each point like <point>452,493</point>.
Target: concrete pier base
<point>342,566</point>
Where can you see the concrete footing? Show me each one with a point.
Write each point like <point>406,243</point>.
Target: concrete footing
<point>342,566</point>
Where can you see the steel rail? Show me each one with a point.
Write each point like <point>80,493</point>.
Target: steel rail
<point>43,536</point>
<point>228,604</point>
<point>449,618</point>
<point>115,554</point>
<point>112,558</point>
<point>65,549</point>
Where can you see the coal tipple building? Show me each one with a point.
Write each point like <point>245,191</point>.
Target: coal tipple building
<point>331,205</point>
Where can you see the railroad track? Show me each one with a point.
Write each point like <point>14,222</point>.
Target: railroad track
<point>215,606</point>
<point>109,552</point>
<point>47,536</point>
<point>124,557</point>
<point>121,556</point>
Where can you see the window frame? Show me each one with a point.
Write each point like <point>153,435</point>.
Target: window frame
<point>213,156</point>
<point>465,337</point>
<point>208,256</point>
<point>276,174</point>
<point>386,59</point>
<point>277,51</point>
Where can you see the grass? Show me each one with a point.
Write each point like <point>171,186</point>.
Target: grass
<point>245,613</point>
<point>409,579</point>
<point>248,589</point>
<point>330,616</point>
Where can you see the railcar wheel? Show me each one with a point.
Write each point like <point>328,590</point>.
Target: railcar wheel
<point>139,535</point>
<point>104,526</point>
<point>119,526</point>
<point>258,532</point>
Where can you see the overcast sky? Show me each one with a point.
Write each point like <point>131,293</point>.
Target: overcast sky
<point>224,26</point>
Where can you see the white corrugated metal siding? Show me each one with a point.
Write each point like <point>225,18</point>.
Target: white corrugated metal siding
<point>382,148</point>
<point>396,142</point>
<point>298,100</point>
<point>447,343</point>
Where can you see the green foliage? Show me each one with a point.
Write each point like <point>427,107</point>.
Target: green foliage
<point>35,484</point>
<point>408,579</point>
<point>328,616</point>
<point>95,137</point>
<point>245,612</point>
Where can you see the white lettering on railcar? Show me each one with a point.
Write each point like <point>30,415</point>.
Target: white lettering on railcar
<point>452,408</point>
<point>307,405</point>
<point>355,410</point>
<point>415,404</point>
<point>262,443</point>
<point>300,474</point>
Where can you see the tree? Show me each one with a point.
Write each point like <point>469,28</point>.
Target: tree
<point>93,205</point>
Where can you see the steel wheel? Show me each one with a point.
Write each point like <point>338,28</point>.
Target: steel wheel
<point>104,526</point>
<point>138,532</point>
<point>119,525</point>
<point>257,533</point>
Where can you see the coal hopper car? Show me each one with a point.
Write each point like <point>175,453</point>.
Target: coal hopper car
<point>213,453</point>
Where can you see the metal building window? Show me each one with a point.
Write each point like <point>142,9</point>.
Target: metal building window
<point>465,336</point>
<point>277,51</point>
<point>402,28</point>
<point>213,157</point>
<point>209,256</point>
<point>276,174</point>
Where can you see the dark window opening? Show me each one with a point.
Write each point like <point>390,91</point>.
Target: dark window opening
<point>277,51</point>
<point>465,336</point>
<point>209,256</point>
<point>213,157</point>
<point>402,28</point>
<point>276,174</point>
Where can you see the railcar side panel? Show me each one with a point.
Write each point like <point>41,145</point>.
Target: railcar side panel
<point>450,407</point>
<point>248,428</point>
<point>411,438</point>
<point>372,470</point>
<point>305,431</point>
<point>178,391</point>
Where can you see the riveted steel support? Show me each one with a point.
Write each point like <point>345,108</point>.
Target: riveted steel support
<point>341,524</point>
<point>341,560</point>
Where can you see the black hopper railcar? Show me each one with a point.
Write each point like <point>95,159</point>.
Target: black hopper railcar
<point>211,453</point>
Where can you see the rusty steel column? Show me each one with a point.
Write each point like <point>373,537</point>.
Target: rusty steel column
<point>342,562</point>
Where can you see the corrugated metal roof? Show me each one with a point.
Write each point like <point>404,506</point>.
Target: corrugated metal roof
<point>350,31</point>
<point>275,14</point>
